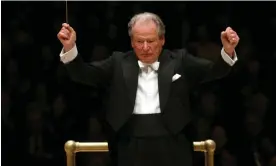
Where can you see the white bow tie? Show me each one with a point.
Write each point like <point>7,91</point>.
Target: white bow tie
<point>154,65</point>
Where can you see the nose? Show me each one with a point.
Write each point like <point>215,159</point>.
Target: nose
<point>145,46</point>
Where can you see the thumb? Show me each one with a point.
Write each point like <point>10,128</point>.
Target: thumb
<point>223,34</point>
<point>70,29</point>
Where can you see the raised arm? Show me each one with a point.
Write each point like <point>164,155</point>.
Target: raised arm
<point>79,71</point>
<point>200,70</point>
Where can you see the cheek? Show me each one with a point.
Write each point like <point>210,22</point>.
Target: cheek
<point>137,51</point>
<point>157,48</point>
<point>132,45</point>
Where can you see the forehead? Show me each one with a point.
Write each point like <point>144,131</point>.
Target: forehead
<point>145,29</point>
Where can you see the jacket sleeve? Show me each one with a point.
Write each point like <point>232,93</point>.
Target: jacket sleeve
<point>199,70</point>
<point>92,73</point>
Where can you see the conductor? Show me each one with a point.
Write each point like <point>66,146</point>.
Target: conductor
<point>148,100</point>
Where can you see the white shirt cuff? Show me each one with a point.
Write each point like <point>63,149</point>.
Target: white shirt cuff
<point>227,58</point>
<point>68,56</point>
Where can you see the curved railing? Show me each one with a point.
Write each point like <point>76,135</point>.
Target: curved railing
<point>72,147</point>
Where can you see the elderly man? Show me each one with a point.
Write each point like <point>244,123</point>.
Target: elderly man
<point>148,100</point>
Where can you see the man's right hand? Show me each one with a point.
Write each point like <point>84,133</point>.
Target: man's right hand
<point>67,37</point>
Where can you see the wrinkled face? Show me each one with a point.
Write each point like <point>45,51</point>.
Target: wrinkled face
<point>146,42</point>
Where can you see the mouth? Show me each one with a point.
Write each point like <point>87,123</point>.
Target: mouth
<point>147,55</point>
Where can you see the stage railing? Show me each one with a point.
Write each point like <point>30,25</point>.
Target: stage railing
<point>72,147</point>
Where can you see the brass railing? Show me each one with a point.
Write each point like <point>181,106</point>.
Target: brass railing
<point>72,147</point>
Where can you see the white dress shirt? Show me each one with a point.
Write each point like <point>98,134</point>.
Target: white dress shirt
<point>147,96</point>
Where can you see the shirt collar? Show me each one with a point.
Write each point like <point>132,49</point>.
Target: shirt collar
<point>154,65</point>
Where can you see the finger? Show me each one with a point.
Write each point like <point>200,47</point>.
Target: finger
<point>237,39</point>
<point>65,25</point>
<point>63,36</point>
<point>230,36</point>
<point>71,30</point>
<point>234,40</point>
<point>64,30</point>
<point>233,36</point>
<point>224,35</point>
<point>228,29</point>
<point>231,32</point>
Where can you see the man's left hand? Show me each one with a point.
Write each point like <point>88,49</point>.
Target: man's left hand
<point>230,40</point>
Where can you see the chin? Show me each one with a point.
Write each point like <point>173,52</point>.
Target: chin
<point>148,61</point>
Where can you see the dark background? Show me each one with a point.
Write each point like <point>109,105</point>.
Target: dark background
<point>42,108</point>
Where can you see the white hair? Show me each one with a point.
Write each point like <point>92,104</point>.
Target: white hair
<point>147,17</point>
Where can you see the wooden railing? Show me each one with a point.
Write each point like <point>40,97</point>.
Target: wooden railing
<point>72,147</point>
